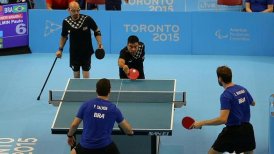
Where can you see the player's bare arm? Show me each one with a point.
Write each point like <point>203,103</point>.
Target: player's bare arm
<point>126,127</point>
<point>222,119</point>
<point>62,43</point>
<point>122,64</point>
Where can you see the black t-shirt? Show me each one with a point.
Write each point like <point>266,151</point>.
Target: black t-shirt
<point>133,61</point>
<point>79,32</point>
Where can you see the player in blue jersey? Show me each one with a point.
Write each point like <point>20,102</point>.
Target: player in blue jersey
<point>259,5</point>
<point>98,116</point>
<point>238,134</point>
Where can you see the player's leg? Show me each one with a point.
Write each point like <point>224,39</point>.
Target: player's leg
<point>73,151</point>
<point>85,69</point>
<point>76,74</point>
<point>85,74</point>
<point>76,70</point>
<point>246,139</point>
<point>111,149</point>
<point>224,142</point>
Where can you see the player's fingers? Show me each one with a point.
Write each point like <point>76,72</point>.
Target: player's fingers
<point>100,46</point>
<point>71,141</point>
<point>59,55</point>
<point>126,69</point>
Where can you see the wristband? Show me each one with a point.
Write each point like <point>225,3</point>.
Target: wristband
<point>69,136</point>
<point>61,49</point>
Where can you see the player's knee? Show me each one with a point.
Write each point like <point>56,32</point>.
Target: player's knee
<point>86,68</point>
<point>75,68</point>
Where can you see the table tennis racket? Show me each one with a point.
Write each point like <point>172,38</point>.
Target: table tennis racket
<point>133,74</point>
<point>100,53</point>
<point>188,122</point>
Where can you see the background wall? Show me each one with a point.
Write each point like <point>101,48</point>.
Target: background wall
<point>199,33</point>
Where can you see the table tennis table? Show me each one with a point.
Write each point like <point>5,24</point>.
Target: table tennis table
<point>148,105</point>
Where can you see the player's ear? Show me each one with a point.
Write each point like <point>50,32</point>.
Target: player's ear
<point>220,80</point>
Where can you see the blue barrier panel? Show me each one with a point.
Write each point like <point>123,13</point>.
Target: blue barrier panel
<point>232,33</point>
<point>46,26</point>
<point>201,33</point>
<point>162,32</point>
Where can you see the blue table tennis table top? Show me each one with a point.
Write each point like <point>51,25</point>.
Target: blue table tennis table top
<point>146,118</point>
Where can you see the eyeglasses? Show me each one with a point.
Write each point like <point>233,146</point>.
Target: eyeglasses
<point>74,11</point>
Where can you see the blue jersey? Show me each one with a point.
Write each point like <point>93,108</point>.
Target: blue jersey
<point>259,5</point>
<point>98,117</point>
<point>238,100</point>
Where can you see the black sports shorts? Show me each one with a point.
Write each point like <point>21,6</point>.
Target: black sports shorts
<point>236,139</point>
<point>110,149</point>
<point>86,65</point>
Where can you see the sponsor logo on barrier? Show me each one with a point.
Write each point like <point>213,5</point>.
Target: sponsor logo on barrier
<point>221,35</point>
<point>233,34</point>
<point>207,4</point>
<point>212,5</point>
<point>51,27</point>
<point>160,32</point>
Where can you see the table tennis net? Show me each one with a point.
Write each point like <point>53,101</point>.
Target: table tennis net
<point>118,96</point>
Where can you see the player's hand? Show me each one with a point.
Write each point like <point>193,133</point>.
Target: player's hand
<point>59,54</point>
<point>126,69</point>
<point>71,141</point>
<point>100,46</point>
<point>126,1</point>
<point>197,125</point>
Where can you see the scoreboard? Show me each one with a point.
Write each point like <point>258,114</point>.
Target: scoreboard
<point>14,32</point>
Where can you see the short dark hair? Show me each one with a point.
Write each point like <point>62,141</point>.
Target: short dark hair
<point>103,87</point>
<point>225,73</point>
<point>132,39</point>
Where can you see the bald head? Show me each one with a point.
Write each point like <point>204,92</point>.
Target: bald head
<point>74,4</point>
<point>74,10</point>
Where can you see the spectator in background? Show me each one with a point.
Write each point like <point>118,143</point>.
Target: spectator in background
<point>259,5</point>
<point>114,4</point>
<point>31,4</point>
<point>58,4</point>
<point>82,4</point>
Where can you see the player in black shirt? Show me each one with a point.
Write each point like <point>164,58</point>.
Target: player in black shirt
<point>78,27</point>
<point>132,56</point>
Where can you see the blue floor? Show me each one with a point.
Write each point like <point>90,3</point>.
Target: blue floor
<point>25,122</point>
